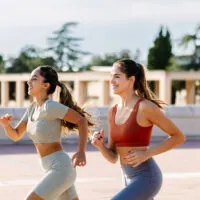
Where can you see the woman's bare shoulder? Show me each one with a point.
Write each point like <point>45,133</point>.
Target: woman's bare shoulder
<point>148,106</point>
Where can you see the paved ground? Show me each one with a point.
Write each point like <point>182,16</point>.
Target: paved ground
<point>100,180</point>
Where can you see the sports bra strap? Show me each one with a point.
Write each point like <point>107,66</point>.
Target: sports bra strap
<point>137,105</point>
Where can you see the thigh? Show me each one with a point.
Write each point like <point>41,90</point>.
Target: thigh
<point>54,183</point>
<point>69,194</point>
<point>140,188</point>
<point>136,190</point>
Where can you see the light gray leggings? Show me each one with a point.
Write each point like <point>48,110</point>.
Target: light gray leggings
<point>58,181</point>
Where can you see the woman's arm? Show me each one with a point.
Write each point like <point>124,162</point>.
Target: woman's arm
<point>108,152</point>
<point>79,158</point>
<point>13,133</point>
<point>155,116</point>
<point>75,118</point>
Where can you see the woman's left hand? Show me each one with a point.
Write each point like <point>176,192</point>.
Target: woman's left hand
<point>136,157</point>
<point>79,159</point>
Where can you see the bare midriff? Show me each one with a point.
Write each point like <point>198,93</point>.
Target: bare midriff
<point>45,149</point>
<point>123,151</point>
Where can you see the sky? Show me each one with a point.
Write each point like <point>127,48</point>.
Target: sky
<point>106,26</point>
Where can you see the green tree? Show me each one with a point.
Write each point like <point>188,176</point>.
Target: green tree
<point>65,47</point>
<point>2,64</point>
<point>160,54</point>
<point>109,58</point>
<point>194,40</point>
<point>160,57</point>
<point>27,60</point>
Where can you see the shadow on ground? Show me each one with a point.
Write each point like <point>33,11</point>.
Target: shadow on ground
<point>69,147</point>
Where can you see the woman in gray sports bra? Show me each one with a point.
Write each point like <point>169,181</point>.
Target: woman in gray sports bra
<point>43,121</point>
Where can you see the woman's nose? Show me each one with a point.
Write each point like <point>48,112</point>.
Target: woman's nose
<point>111,80</point>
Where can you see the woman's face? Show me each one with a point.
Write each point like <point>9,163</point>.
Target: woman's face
<point>36,85</point>
<point>119,82</point>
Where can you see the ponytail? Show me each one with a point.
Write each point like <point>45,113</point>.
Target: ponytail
<point>142,88</point>
<point>66,99</point>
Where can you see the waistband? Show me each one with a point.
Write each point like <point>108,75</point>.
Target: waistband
<point>148,164</point>
<point>52,155</point>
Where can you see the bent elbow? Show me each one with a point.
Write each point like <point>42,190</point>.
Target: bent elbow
<point>182,138</point>
<point>17,137</point>
<point>114,160</point>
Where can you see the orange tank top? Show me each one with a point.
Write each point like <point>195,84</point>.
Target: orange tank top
<point>130,133</point>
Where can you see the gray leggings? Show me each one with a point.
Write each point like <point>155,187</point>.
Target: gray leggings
<point>58,181</point>
<point>141,183</point>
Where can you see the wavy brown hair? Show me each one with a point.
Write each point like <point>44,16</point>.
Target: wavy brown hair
<point>131,68</point>
<point>50,76</point>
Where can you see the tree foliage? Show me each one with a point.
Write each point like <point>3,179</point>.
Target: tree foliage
<point>109,58</point>
<point>194,40</point>
<point>65,47</point>
<point>2,64</point>
<point>27,60</point>
<point>160,54</point>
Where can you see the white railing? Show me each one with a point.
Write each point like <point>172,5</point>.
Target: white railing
<point>83,80</point>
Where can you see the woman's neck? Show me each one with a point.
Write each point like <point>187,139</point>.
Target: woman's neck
<point>40,100</point>
<point>128,99</point>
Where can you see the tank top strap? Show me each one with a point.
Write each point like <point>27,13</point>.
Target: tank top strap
<point>137,105</point>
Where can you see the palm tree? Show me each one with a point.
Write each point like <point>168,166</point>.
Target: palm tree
<point>193,39</point>
<point>65,47</point>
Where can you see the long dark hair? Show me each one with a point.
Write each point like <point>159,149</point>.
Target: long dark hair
<point>131,68</point>
<point>50,76</point>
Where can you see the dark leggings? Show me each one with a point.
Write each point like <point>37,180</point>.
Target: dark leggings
<point>141,183</point>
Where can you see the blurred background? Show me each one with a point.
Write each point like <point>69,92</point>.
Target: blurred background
<point>77,35</point>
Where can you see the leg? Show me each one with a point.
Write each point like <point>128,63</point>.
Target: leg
<point>136,190</point>
<point>142,183</point>
<point>69,194</point>
<point>33,196</point>
<point>52,185</point>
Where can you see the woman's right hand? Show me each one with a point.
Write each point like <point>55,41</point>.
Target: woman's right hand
<point>97,139</point>
<point>5,120</point>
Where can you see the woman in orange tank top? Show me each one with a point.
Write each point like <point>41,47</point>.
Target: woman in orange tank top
<point>130,124</point>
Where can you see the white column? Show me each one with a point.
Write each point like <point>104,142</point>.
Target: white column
<point>80,92</point>
<point>165,89</point>
<point>156,85</point>
<point>20,93</point>
<point>190,92</point>
<point>104,98</point>
<point>4,93</point>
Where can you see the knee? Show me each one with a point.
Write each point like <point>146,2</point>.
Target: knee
<point>33,196</point>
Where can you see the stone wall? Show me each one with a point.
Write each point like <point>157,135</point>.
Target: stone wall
<point>187,118</point>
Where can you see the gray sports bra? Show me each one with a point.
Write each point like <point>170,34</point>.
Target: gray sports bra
<point>47,127</point>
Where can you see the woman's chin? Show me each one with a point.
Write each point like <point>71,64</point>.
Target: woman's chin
<point>30,93</point>
<point>115,91</point>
